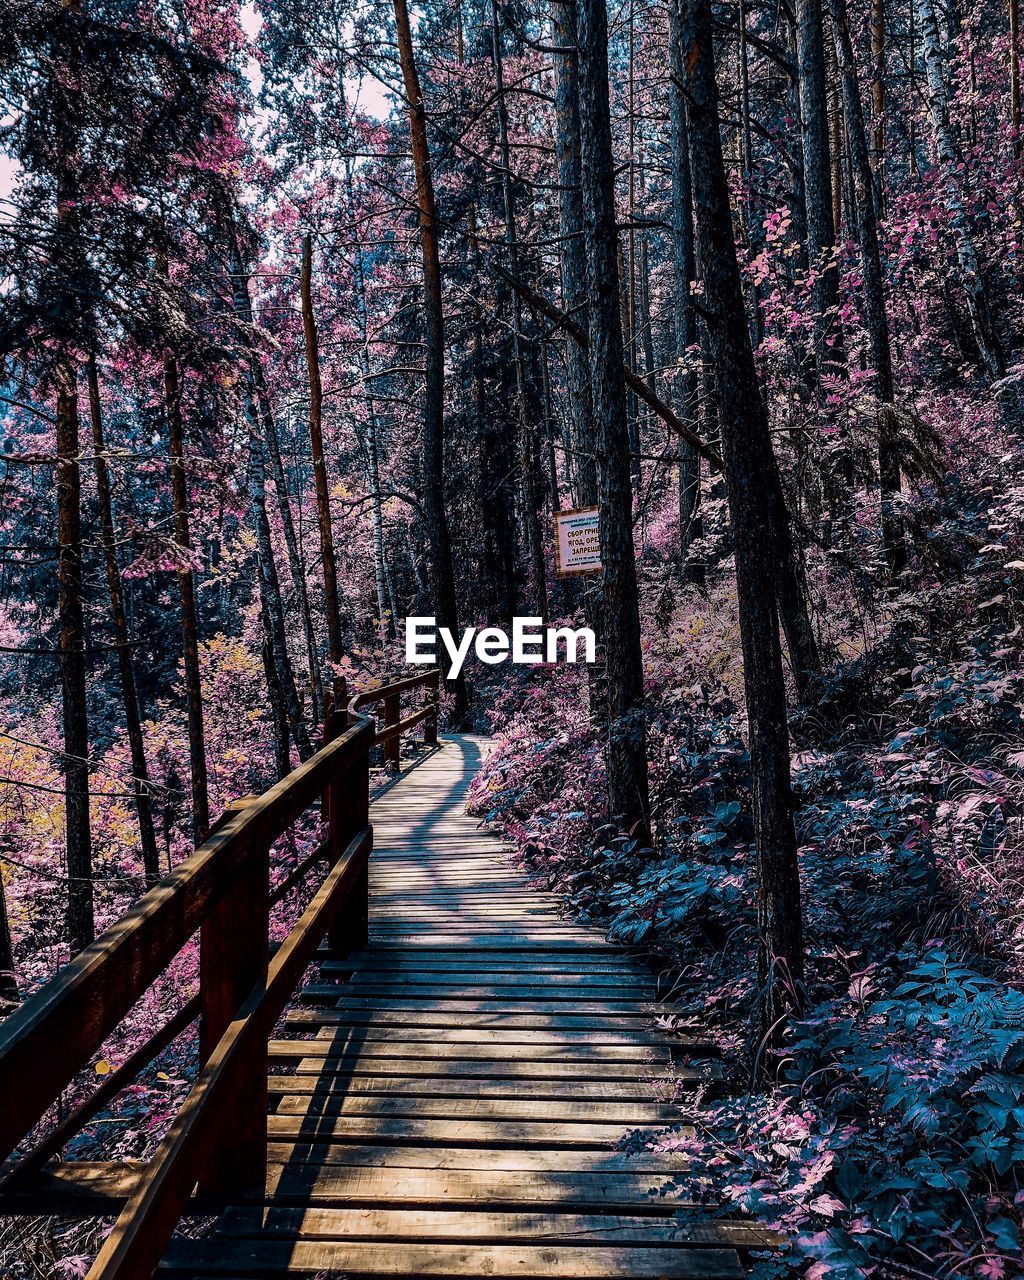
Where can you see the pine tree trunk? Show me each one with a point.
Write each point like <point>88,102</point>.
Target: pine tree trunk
<point>810,52</point>
<point>129,688</point>
<point>530,489</point>
<point>1014,34</point>
<point>296,567</point>
<point>878,102</point>
<point>80,916</point>
<point>432,440</point>
<point>273,460</point>
<point>749,463</point>
<point>278,714</point>
<point>8,976</point>
<point>328,563</point>
<point>684,264</point>
<point>189,616</point>
<point>876,320</point>
<point>627,753</point>
<point>572,250</point>
<point>270,593</point>
<point>948,155</point>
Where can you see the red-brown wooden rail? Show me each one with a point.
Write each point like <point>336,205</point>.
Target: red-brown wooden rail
<point>218,1140</point>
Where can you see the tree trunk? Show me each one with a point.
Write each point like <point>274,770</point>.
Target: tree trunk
<point>530,489</point>
<point>296,567</point>
<point>583,467</point>
<point>627,754</point>
<point>129,689</point>
<point>749,463</point>
<point>432,443</point>
<point>876,321</point>
<point>878,102</point>
<point>8,976</point>
<point>971,280</point>
<point>270,592</point>
<point>684,265</point>
<point>328,564</point>
<point>278,714</point>
<point>80,915</point>
<point>186,586</point>
<point>1015,76</point>
<point>810,54</point>
<point>387,618</point>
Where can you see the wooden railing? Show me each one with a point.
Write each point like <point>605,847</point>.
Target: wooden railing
<point>389,735</point>
<point>217,1142</point>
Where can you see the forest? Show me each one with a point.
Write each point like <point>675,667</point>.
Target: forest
<point>315,312</point>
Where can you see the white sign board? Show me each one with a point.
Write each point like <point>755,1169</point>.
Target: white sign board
<point>577,544</point>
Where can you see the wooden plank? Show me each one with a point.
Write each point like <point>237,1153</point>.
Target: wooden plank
<point>317,1079</point>
<point>387,1224</point>
<point>244,1259</point>
<point>463,1107</point>
<point>487,1051</point>
<point>538,1021</point>
<point>313,1056</point>
<point>312,1185</point>
<point>310,1154</point>
<point>363,1036</point>
<point>643,1011</point>
<point>451,1132</point>
<point>562,987</point>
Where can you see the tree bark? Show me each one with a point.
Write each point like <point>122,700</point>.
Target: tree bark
<point>8,977</point>
<point>296,567</point>
<point>627,754</point>
<point>1015,76</point>
<point>129,688</point>
<point>876,321</point>
<point>583,466</point>
<point>432,441</point>
<point>814,137</point>
<point>749,464</point>
<point>278,714</point>
<point>80,915</point>
<point>530,490</point>
<point>186,587</point>
<point>328,563</point>
<point>878,101</point>
<point>684,264</point>
<point>971,279</point>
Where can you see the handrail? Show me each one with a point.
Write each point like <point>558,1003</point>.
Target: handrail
<point>223,890</point>
<point>390,735</point>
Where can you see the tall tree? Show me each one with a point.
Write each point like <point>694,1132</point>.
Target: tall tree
<point>749,466</point>
<point>684,262</point>
<point>118,616</point>
<point>435,517</point>
<point>572,251</point>
<point>876,320</point>
<point>817,180</point>
<point>627,749</point>
<point>187,596</point>
<point>972,281</point>
<point>328,562</point>
<point>81,923</point>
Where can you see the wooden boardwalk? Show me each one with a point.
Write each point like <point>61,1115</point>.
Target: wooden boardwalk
<point>448,1101</point>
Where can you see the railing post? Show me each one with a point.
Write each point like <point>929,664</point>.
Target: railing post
<point>335,701</point>
<point>393,746</point>
<point>430,724</point>
<point>233,955</point>
<point>349,811</point>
